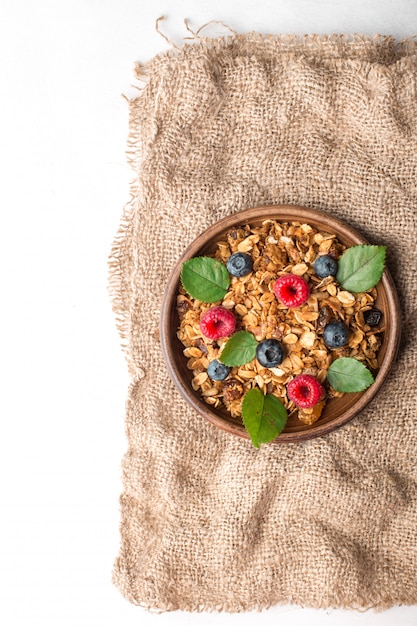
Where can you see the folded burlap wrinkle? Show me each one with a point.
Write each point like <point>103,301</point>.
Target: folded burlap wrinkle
<point>207,521</point>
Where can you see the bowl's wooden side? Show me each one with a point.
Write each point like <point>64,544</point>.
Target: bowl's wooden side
<point>338,411</point>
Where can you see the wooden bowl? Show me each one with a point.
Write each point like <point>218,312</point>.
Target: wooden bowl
<point>338,411</point>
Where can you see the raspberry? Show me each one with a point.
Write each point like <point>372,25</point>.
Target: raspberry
<point>217,322</point>
<point>305,391</point>
<point>291,290</point>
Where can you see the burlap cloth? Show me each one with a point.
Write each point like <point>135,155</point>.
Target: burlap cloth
<point>208,521</point>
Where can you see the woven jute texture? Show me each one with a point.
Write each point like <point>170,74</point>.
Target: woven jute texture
<point>207,521</point>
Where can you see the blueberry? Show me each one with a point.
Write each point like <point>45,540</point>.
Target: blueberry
<point>270,353</point>
<point>372,317</point>
<point>239,264</point>
<point>217,370</point>
<point>325,265</point>
<point>335,335</point>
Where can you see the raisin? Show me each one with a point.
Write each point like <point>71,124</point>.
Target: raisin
<point>199,343</point>
<point>183,306</point>
<point>372,317</point>
<point>324,317</point>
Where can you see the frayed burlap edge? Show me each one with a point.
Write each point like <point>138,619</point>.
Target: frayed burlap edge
<point>383,48</point>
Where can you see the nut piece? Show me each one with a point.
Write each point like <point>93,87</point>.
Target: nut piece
<point>308,339</point>
<point>232,390</point>
<point>310,416</point>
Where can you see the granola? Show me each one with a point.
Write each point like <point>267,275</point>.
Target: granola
<point>277,249</point>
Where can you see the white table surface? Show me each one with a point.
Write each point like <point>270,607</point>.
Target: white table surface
<point>63,122</point>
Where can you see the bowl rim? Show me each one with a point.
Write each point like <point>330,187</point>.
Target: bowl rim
<point>283,212</point>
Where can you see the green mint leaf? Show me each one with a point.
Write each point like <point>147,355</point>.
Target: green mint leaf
<point>240,349</point>
<point>264,417</point>
<point>360,267</point>
<point>349,375</point>
<point>205,278</point>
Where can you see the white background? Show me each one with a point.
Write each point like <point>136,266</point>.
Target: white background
<point>64,180</point>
